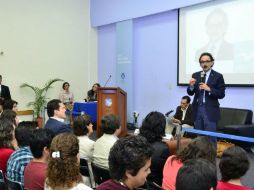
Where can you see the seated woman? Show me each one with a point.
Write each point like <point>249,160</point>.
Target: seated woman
<point>153,129</point>
<point>233,165</point>
<point>201,147</point>
<point>7,142</point>
<point>92,94</point>
<point>66,96</point>
<point>63,166</point>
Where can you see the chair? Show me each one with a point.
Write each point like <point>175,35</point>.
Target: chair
<point>84,169</point>
<point>2,181</point>
<point>13,185</point>
<point>100,174</point>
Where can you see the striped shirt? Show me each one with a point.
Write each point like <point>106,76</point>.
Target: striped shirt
<point>17,163</point>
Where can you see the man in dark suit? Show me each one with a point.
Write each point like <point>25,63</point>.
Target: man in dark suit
<point>56,113</point>
<point>4,91</point>
<point>183,113</point>
<point>207,86</point>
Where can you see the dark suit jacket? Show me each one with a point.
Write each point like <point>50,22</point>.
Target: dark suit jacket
<point>57,126</point>
<point>188,119</point>
<point>5,92</point>
<point>217,86</point>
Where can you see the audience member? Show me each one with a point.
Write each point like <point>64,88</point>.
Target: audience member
<point>4,91</point>
<point>21,157</point>
<point>56,113</point>
<point>153,129</point>
<point>11,116</point>
<point>197,174</point>
<point>7,142</point>
<point>35,171</point>
<point>110,125</point>
<point>29,124</point>
<point>200,147</point>
<point>129,164</point>
<point>63,166</point>
<point>233,165</point>
<point>92,94</point>
<point>10,104</point>
<point>83,128</point>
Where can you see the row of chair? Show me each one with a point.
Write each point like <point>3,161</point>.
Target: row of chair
<point>8,184</point>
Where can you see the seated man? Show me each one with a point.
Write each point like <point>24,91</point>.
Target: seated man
<point>56,113</point>
<point>129,164</point>
<point>22,156</point>
<point>35,171</point>
<point>110,125</point>
<point>197,174</point>
<point>183,115</point>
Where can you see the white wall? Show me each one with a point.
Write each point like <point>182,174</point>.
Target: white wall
<point>41,40</point>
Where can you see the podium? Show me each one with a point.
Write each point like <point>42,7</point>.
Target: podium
<point>112,100</point>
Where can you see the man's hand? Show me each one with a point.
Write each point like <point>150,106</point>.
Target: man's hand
<point>174,120</point>
<point>203,86</point>
<point>192,81</point>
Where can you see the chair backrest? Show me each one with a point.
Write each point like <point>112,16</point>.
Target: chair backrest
<point>84,169</point>
<point>13,185</point>
<point>100,174</point>
<point>2,181</point>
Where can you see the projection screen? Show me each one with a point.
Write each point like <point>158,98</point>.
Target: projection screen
<point>224,28</point>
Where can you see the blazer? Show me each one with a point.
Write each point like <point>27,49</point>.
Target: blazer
<point>57,126</point>
<point>217,86</point>
<point>5,92</point>
<point>188,119</point>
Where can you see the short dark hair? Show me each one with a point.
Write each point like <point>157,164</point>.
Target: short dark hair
<point>200,147</point>
<point>23,135</point>
<point>8,104</point>
<point>10,115</point>
<point>206,54</point>
<point>80,124</point>
<point>128,153</point>
<point>196,174</point>
<point>110,123</point>
<point>234,163</point>
<point>29,124</point>
<point>186,98</point>
<point>52,106</point>
<point>65,84</point>
<point>153,126</point>
<point>6,133</point>
<point>40,138</point>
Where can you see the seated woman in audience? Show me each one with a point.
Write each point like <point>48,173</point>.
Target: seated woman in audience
<point>63,166</point>
<point>83,128</point>
<point>201,147</point>
<point>92,94</point>
<point>153,129</point>
<point>233,165</point>
<point>7,142</point>
<point>11,116</point>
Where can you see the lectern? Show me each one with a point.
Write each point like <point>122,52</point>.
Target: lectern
<point>112,100</point>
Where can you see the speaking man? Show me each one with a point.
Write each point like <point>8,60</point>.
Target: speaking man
<point>4,91</point>
<point>207,86</point>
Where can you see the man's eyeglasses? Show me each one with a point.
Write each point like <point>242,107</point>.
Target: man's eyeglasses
<point>202,62</point>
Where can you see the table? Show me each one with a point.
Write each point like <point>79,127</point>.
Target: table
<point>88,108</point>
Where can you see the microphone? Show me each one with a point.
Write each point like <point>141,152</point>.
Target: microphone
<point>202,75</point>
<point>167,114</point>
<point>107,81</point>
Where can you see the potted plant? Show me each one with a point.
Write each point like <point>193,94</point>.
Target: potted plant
<point>40,98</point>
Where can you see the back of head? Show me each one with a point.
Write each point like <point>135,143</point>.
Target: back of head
<point>52,106</point>
<point>110,123</point>
<point>234,163</point>
<point>153,126</point>
<point>8,104</point>
<point>40,139</point>
<point>196,174</point>
<point>9,115</point>
<point>6,133</point>
<point>29,124</point>
<point>200,147</point>
<point>80,124</point>
<point>63,165</point>
<point>23,135</point>
<point>128,153</point>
